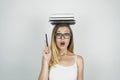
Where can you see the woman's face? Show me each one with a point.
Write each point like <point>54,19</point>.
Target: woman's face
<point>62,37</point>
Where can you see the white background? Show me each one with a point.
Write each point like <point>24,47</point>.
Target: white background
<point>23,24</point>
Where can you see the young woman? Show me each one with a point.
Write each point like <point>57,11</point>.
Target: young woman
<point>59,61</point>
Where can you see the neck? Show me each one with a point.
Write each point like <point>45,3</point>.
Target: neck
<point>63,52</point>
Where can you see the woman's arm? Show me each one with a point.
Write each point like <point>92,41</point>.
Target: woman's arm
<point>80,63</point>
<point>44,73</point>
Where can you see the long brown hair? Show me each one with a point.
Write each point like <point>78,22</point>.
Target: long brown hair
<point>54,49</point>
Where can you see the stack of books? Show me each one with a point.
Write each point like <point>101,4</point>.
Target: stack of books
<point>57,18</point>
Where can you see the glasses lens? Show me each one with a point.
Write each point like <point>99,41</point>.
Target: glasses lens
<point>66,35</point>
<point>58,35</point>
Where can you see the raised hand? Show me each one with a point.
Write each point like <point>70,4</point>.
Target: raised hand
<point>47,54</point>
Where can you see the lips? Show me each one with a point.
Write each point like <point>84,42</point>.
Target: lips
<point>62,43</point>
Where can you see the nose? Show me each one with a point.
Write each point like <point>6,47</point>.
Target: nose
<point>62,37</point>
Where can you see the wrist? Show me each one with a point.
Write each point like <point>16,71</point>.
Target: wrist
<point>45,63</point>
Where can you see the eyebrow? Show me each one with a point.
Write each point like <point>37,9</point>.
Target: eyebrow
<point>65,31</point>
<point>62,33</point>
<point>57,31</point>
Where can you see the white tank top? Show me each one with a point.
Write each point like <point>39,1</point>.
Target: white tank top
<point>59,72</point>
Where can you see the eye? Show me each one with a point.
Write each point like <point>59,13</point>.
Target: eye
<point>67,34</point>
<point>58,34</point>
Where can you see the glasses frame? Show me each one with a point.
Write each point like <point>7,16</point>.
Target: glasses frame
<point>62,35</point>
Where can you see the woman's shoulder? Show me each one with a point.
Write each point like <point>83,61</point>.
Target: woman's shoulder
<point>79,59</point>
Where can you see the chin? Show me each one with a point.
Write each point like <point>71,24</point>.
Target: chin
<point>62,48</point>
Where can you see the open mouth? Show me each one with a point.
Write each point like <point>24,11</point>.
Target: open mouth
<point>62,43</point>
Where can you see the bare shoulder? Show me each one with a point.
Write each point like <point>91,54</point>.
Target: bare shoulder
<point>80,60</point>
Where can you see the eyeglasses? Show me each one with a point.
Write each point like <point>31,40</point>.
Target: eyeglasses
<point>65,35</point>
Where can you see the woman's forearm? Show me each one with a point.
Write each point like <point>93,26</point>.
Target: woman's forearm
<point>44,72</point>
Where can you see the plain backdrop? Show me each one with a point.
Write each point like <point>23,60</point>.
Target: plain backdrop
<point>23,24</point>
